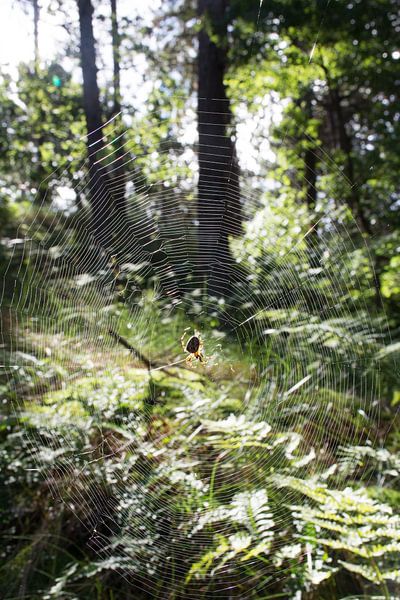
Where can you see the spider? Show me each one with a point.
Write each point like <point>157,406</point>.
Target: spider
<point>194,346</point>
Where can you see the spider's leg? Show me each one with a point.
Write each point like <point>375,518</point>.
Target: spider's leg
<point>183,341</point>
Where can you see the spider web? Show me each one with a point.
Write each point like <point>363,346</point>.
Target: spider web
<point>284,350</point>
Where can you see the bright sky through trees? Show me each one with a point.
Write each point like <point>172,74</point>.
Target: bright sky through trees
<point>16,31</point>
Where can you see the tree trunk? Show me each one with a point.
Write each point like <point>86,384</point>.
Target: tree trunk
<point>219,206</point>
<point>310,177</point>
<point>118,170</point>
<point>353,198</point>
<point>100,197</point>
<point>36,34</point>
<point>310,160</point>
<point>116,58</point>
<point>43,191</point>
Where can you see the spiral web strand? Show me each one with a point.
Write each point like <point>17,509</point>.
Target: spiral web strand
<point>259,357</point>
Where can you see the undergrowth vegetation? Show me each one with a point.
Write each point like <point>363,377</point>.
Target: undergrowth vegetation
<point>113,467</point>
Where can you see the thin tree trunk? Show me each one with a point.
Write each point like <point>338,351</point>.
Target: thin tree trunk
<point>353,198</point>
<point>219,206</point>
<point>310,162</point>
<point>310,174</point>
<point>310,182</point>
<point>43,190</point>
<point>336,115</point>
<point>116,43</point>
<point>118,172</point>
<point>36,9</point>
<point>100,197</point>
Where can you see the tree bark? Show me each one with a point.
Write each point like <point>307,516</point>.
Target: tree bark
<point>310,174</point>
<point>36,34</point>
<point>310,162</point>
<point>310,177</point>
<point>353,197</point>
<point>354,200</point>
<point>118,172</point>
<point>100,197</point>
<point>43,191</point>
<point>218,207</point>
<point>116,58</point>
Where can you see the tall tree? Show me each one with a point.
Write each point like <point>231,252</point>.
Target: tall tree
<point>36,9</point>
<point>43,193</point>
<point>116,46</point>
<point>219,206</point>
<point>43,190</point>
<point>118,172</point>
<point>100,197</point>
